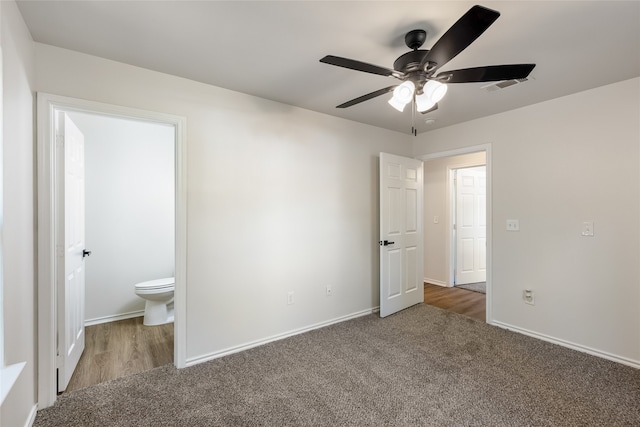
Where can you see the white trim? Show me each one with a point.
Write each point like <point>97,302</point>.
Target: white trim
<point>231,350</point>
<point>571,345</point>
<point>46,105</point>
<point>46,257</point>
<point>8,377</point>
<point>468,150</point>
<point>450,208</point>
<point>32,416</point>
<point>455,152</point>
<point>113,318</point>
<point>435,282</point>
<point>1,216</point>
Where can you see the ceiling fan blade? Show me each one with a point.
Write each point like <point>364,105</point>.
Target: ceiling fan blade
<point>491,73</point>
<point>366,97</point>
<point>461,34</point>
<point>361,66</point>
<point>434,108</point>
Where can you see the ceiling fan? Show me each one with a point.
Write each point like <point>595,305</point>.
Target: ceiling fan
<point>417,69</point>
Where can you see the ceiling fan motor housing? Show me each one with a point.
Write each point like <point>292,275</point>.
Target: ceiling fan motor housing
<point>410,61</point>
<point>415,38</point>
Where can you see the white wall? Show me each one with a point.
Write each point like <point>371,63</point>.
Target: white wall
<point>279,199</point>
<point>18,229</point>
<point>437,237</point>
<point>555,165</point>
<point>130,207</point>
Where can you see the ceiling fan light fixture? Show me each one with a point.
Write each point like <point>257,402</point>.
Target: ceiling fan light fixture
<point>396,104</point>
<point>424,102</point>
<point>402,95</point>
<point>435,90</point>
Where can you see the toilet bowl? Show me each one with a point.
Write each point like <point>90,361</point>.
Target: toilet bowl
<point>158,295</point>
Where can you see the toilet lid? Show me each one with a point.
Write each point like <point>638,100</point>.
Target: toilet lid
<point>155,284</point>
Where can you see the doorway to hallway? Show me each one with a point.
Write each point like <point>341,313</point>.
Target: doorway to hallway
<point>469,232</point>
<point>455,244</point>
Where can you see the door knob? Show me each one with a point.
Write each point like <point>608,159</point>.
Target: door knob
<point>85,253</point>
<point>386,243</point>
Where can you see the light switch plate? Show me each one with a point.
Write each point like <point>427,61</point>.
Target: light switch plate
<point>513,225</point>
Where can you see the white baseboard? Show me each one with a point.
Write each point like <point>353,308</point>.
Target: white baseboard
<point>257,343</point>
<point>113,318</point>
<point>571,345</point>
<point>32,416</point>
<point>436,282</point>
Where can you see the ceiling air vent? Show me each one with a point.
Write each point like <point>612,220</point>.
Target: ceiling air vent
<point>503,84</point>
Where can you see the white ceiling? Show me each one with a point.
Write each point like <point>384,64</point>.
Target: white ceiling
<point>271,49</point>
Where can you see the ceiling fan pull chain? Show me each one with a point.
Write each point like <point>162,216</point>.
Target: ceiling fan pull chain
<point>414,131</point>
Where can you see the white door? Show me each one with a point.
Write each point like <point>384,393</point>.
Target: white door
<point>471,225</point>
<point>70,248</point>
<point>401,235</point>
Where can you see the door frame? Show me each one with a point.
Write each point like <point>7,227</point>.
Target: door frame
<point>47,104</point>
<point>488,164</point>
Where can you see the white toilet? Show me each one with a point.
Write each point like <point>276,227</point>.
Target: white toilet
<point>159,296</point>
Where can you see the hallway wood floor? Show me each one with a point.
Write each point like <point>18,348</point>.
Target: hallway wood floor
<point>118,349</point>
<point>461,301</point>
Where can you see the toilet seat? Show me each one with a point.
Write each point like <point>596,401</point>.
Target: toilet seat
<point>156,285</point>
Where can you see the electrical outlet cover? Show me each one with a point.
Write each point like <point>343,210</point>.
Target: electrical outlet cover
<point>587,228</point>
<point>528,296</point>
<point>513,225</point>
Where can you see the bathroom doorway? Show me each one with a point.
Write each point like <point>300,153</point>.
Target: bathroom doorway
<point>147,241</point>
<point>129,225</point>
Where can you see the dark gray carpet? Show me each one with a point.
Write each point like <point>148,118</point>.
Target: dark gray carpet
<point>475,287</point>
<point>423,366</point>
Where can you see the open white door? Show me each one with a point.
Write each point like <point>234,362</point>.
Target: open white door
<point>401,235</point>
<point>70,248</point>
<point>471,225</point>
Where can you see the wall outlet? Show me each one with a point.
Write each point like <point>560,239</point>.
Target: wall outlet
<point>290,299</point>
<point>513,225</point>
<point>328,290</point>
<point>587,228</point>
<point>528,296</point>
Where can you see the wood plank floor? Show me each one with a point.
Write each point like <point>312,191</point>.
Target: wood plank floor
<point>121,348</point>
<point>461,301</point>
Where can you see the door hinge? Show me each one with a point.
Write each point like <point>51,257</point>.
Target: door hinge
<point>59,251</point>
<point>59,140</point>
<point>59,360</point>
